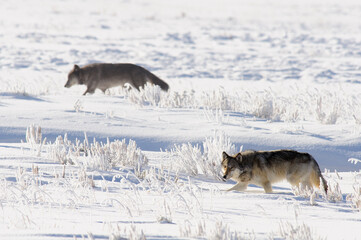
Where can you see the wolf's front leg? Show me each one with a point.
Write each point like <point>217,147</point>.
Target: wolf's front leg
<point>267,187</point>
<point>89,90</point>
<point>241,186</point>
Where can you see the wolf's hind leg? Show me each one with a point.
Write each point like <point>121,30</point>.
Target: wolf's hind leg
<point>293,180</point>
<point>267,187</point>
<point>241,186</point>
<point>306,185</point>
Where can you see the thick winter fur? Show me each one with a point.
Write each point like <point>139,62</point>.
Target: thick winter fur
<point>107,75</point>
<point>263,168</point>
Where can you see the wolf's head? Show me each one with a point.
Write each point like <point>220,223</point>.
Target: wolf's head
<point>74,77</point>
<point>233,167</point>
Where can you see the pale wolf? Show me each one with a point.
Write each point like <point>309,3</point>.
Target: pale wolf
<point>107,75</point>
<point>263,168</point>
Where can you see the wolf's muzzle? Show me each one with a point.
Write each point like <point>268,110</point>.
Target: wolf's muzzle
<point>225,176</point>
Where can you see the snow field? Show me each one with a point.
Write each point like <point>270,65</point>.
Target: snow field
<point>155,201</point>
<point>254,75</point>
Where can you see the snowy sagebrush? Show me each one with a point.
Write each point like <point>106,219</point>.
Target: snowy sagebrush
<point>334,193</point>
<point>289,231</point>
<point>354,160</point>
<point>78,106</point>
<point>152,95</point>
<point>63,150</point>
<point>325,117</point>
<point>195,160</point>
<point>98,155</point>
<point>216,116</point>
<point>298,103</point>
<point>33,134</point>
<point>114,154</point>
<point>147,95</point>
<point>130,232</point>
<point>215,231</point>
<point>355,197</point>
<point>306,192</point>
<point>34,138</point>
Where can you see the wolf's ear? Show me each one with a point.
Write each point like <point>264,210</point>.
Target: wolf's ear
<point>224,155</point>
<point>76,67</point>
<point>239,157</point>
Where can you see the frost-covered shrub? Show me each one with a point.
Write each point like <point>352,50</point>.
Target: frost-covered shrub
<point>34,138</point>
<point>152,95</point>
<point>289,231</point>
<point>188,157</point>
<point>222,231</point>
<point>188,229</point>
<point>217,99</point>
<point>263,108</point>
<point>83,178</point>
<point>212,150</point>
<point>130,232</point>
<point>355,197</point>
<point>214,231</point>
<point>149,95</point>
<point>98,155</point>
<point>33,134</point>
<point>306,192</point>
<point>181,100</point>
<point>78,106</point>
<point>64,151</point>
<point>116,153</point>
<point>327,116</point>
<point>334,193</point>
<point>195,160</point>
<point>275,104</point>
<point>160,179</point>
<point>216,116</point>
<point>354,160</point>
<point>164,212</point>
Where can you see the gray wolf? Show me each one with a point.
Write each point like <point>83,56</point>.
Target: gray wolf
<point>263,168</point>
<point>107,75</point>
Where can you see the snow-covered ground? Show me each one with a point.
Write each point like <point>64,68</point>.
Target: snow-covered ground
<point>254,74</point>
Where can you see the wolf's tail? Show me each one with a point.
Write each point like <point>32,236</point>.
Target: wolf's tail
<point>157,81</point>
<point>316,175</point>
